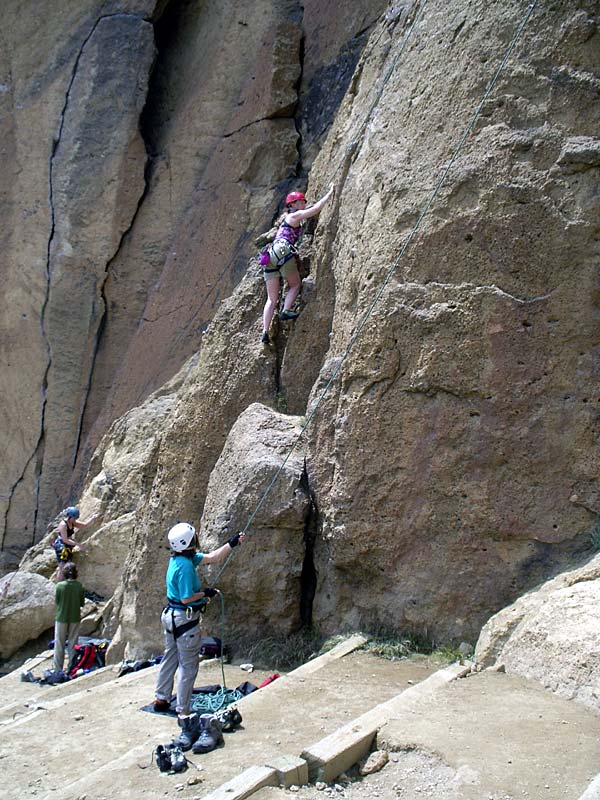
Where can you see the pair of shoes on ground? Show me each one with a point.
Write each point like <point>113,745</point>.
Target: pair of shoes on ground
<point>201,734</point>
<point>170,758</point>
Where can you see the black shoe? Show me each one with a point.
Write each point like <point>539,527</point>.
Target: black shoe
<point>178,760</point>
<point>161,705</point>
<point>210,736</point>
<point>230,719</point>
<point>265,338</point>
<point>288,315</point>
<point>190,728</point>
<point>163,758</point>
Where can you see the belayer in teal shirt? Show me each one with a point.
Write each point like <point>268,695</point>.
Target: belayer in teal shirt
<point>181,623</point>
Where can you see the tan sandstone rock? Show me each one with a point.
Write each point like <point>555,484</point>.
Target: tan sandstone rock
<point>552,634</point>
<point>263,576</point>
<point>26,609</point>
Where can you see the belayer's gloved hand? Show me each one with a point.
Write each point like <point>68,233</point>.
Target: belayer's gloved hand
<point>208,592</point>
<point>235,539</point>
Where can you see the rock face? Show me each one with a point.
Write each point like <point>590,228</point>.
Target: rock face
<point>445,357</point>
<point>553,635</point>
<point>78,162</point>
<point>445,454</point>
<point>26,609</point>
<point>144,142</point>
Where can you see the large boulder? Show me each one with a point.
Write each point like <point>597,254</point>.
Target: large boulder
<point>259,482</point>
<point>26,609</point>
<point>551,634</point>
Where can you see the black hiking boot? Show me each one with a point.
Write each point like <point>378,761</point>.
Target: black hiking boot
<point>189,731</point>
<point>210,735</point>
<point>265,338</point>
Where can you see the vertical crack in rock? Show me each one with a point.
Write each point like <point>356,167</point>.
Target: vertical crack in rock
<point>59,222</point>
<point>144,128</point>
<point>38,452</point>
<point>299,171</point>
<point>102,322</point>
<point>308,576</point>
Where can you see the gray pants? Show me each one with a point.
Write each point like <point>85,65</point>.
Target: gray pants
<point>62,632</point>
<point>181,653</point>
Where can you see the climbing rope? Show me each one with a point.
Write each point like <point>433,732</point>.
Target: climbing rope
<point>215,701</point>
<point>392,269</point>
<point>387,76</point>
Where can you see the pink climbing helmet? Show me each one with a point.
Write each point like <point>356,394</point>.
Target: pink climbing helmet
<point>293,197</point>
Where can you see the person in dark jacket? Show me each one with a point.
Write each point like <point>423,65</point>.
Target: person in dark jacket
<point>70,598</point>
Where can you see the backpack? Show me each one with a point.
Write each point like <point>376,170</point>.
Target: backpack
<point>84,658</point>
<point>210,647</point>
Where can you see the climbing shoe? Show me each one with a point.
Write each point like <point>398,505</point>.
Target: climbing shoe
<point>190,728</point>
<point>230,719</point>
<point>178,760</point>
<point>265,338</point>
<point>161,705</point>
<point>210,736</point>
<point>163,758</point>
<point>288,315</point>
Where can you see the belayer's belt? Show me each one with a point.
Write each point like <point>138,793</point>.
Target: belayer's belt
<point>179,630</point>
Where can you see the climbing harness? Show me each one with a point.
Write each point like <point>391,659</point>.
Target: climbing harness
<point>283,247</point>
<point>441,181</point>
<point>277,254</point>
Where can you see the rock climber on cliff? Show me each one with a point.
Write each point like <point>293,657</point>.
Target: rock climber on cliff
<point>65,544</point>
<point>181,624</point>
<point>279,259</point>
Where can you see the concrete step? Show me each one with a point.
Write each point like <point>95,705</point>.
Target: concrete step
<point>20,699</point>
<point>490,735</point>
<point>100,737</point>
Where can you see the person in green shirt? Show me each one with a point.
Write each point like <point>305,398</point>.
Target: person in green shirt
<point>69,598</point>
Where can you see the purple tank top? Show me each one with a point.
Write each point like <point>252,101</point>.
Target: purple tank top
<point>289,233</point>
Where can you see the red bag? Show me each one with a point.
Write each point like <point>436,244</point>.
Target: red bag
<point>270,679</point>
<point>84,658</point>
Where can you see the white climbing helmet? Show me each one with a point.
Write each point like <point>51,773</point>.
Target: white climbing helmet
<point>181,536</point>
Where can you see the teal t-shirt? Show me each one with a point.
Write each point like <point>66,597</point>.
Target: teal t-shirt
<point>182,578</point>
<point>69,597</point>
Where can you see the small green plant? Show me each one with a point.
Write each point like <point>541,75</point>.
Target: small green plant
<point>281,403</point>
<point>280,652</point>
<point>394,645</point>
<point>595,537</point>
<point>446,654</point>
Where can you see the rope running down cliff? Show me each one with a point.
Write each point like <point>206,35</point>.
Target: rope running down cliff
<point>417,225</point>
